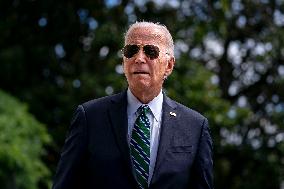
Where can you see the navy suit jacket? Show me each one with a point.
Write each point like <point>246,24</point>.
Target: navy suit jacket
<point>96,151</point>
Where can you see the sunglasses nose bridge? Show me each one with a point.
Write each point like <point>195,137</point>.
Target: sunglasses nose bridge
<point>140,50</point>
<point>140,56</point>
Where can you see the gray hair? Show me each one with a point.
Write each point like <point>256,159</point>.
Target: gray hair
<point>161,27</point>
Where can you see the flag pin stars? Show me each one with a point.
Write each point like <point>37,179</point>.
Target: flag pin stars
<point>173,114</point>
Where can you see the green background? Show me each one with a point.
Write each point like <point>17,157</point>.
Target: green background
<point>55,55</point>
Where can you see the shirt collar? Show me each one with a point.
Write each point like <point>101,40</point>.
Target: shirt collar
<point>155,104</point>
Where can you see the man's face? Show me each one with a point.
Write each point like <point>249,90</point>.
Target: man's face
<point>143,72</point>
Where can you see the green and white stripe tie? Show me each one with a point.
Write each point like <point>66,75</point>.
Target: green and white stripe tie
<point>140,146</point>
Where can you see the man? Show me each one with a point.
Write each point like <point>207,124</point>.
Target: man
<point>139,138</point>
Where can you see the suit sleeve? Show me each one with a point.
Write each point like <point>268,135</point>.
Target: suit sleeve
<point>202,173</point>
<point>71,166</point>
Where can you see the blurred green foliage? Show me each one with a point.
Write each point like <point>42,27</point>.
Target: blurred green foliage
<point>229,66</point>
<point>22,139</point>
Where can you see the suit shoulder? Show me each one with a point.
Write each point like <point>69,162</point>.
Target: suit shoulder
<point>189,112</point>
<point>101,103</point>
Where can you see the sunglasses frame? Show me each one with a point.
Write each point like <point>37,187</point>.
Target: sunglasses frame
<point>143,48</point>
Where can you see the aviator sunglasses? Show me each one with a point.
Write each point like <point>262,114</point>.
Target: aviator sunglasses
<point>151,51</point>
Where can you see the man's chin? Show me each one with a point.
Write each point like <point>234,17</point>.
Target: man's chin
<point>141,85</point>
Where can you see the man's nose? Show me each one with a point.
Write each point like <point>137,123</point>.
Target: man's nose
<point>140,57</point>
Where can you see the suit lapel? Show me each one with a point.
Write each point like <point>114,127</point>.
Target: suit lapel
<point>169,120</point>
<point>118,118</point>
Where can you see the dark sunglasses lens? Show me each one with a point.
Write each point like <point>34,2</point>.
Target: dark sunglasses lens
<point>130,50</point>
<point>151,51</point>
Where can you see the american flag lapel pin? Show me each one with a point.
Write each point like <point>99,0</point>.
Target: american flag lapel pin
<point>173,114</point>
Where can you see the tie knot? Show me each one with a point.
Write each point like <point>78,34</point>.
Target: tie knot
<point>143,109</point>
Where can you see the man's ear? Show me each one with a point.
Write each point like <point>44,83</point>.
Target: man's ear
<point>170,65</point>
<point>122,62</point>
<point>123,67</point>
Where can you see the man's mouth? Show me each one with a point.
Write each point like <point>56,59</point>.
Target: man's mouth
<point>141,72</point>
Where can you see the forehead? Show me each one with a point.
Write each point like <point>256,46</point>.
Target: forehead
<point>145,35</point>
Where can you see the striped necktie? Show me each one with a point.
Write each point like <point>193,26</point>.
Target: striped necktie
<point>140,146</point>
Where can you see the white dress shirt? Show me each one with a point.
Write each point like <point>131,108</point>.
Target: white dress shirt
<point>155,123</point>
